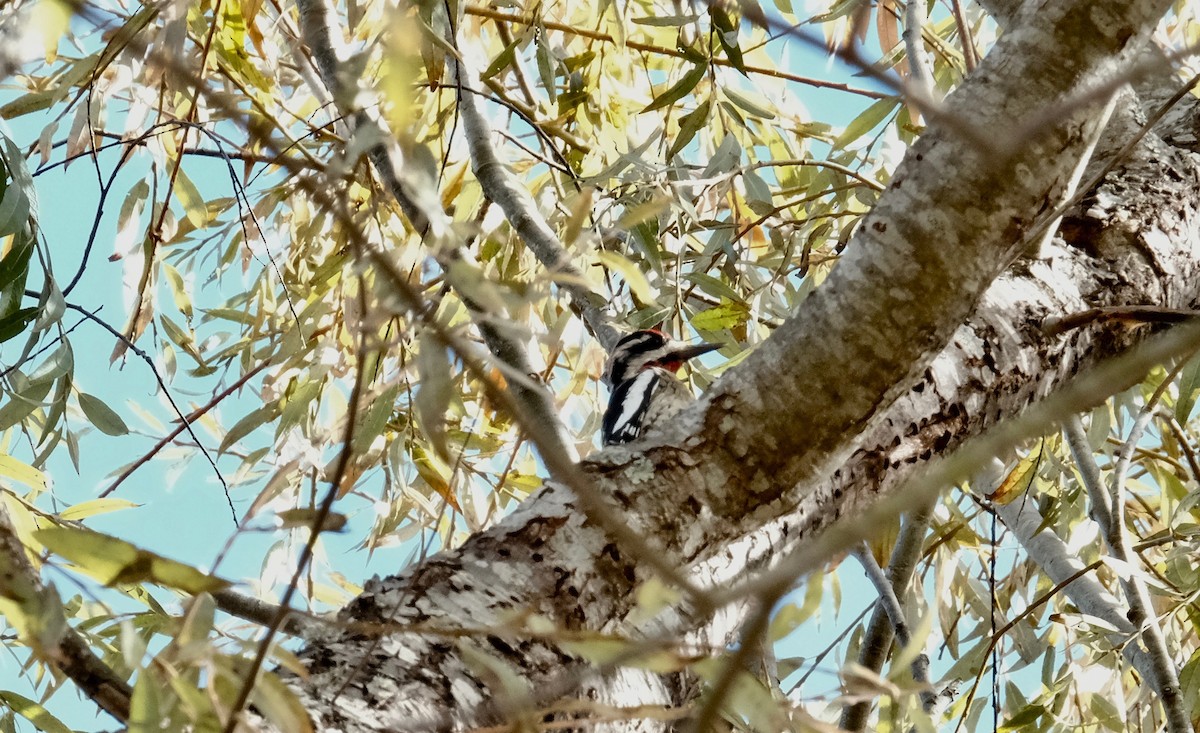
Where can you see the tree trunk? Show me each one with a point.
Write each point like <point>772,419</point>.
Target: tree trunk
<point>912,346</point>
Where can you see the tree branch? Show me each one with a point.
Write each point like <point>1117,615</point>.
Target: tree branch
<point>36,611</point>
<point>895,611</point>
<point>518,206</point>
<point>877,641</point>
<point>1061,565</point>
<point>418,201</point>
<point>1165,678</point>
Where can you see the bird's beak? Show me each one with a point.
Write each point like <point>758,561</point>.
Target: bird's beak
<point>691,352</point>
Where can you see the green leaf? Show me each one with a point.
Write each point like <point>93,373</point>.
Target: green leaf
<point>15,323</point>
<point>758,193</point>
<point>18,202</point>
<point>679,89</point>
<point>750,102</point>
<point>502,61</point>
<point>1024,718</point>
<point>1189,387</point>
<point>371,424</point>
<point>865,122</point>
<point>280,705</point>
<point>723,317</point>
<point>33,712</point>
<point>145,707</point>
<point>101,415</point>
<point>689,125</point>
<point>790,617</point>
<point>1189,684</point>
<point>666,21</point>
<point>16,261</point>
<point>545,65</point>
<point>113,561</point>
<point>20,404</point>
<point>714,287</point>
<point>248,424</point>
<point>434,392</point>
<point>727,35</point>
<point>290,518</point>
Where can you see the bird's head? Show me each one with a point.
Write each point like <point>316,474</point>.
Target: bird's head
<point>649,348</point>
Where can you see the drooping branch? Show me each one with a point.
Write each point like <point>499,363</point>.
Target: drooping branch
<point>418,201</point>
<point>36,611</point>
<point>527,221</point>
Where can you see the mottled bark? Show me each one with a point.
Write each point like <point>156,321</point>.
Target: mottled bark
<point>912,346</point>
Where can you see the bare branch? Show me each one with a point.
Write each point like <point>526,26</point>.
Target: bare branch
<point>1165,678</point>
<point>877,641</point>
<point>501,187</point>
<point>264,614</point>
<point>918,63</point>
<point>1089,472</point>
<point>895,612</point>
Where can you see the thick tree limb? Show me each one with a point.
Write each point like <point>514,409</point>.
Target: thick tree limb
<point>845,370</point>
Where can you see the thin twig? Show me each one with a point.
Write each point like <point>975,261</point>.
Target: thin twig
<point>318,522</point>
<point>1133,314</point>
<point>184,424</point>
<point>1184,441</point>
<point>970,60</point>
<point>673,52</point>
<point>162,385</point>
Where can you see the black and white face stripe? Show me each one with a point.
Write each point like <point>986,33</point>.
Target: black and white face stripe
<point>628,405</point>
<point>633,352</point>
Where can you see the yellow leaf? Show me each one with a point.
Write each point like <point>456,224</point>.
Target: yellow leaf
<point>193,204</point>
<point>113,561</point>
<point>91,508</point>
<point>19,471</point>
<point>633,276</point>
<point>1019,479</point>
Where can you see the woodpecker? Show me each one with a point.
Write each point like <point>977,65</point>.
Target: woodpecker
<point>645,390</point>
